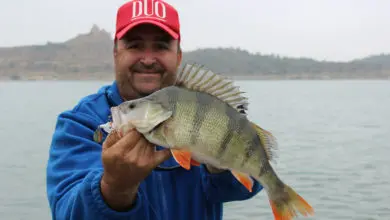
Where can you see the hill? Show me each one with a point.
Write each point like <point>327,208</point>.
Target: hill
<point>89,56</point>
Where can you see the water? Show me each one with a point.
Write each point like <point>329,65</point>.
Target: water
<point>334,142</point>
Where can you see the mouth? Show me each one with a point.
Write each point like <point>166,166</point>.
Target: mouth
<point>147,81</point>
<point>147,73</point>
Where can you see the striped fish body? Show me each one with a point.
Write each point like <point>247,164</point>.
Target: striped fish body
<point>214,132</point>
<point>202,120</point>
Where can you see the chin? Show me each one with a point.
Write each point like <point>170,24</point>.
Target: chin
<point>147,90</point>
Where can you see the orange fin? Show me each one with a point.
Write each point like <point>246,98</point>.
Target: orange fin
<point>195,163</point>
<point>244,179</point>
<point>182,157</point>
<point>288,203</point>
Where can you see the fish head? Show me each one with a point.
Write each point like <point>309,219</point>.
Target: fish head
<point>144,114</point>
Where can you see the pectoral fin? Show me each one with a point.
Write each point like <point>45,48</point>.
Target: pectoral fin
<point>244,179</point>
<point>183,158</point>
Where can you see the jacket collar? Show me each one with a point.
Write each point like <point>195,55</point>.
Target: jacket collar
<point>113,94</point>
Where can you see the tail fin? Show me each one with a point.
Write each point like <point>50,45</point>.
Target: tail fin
<point>286,204</point>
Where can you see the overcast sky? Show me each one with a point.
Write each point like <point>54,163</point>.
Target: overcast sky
<point>336,30</point>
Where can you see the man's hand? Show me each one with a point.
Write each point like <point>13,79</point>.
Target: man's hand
<point>127,161</point>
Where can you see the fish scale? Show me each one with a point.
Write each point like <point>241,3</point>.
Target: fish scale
<point>201,110</point>
<point>197,120</point>
<point>200,119</point>
<point>196,110</point>
<point>208,124</point>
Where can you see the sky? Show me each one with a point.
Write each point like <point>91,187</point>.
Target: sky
<point>332,30</point>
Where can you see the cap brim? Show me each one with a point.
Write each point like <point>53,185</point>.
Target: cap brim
<point>121,33</point>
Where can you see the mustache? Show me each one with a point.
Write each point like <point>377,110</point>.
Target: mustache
<point>142,68</point>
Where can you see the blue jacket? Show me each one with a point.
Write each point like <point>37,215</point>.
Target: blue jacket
<point>74,171</point>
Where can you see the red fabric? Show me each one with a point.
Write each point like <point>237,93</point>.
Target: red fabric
<point>156,12</point>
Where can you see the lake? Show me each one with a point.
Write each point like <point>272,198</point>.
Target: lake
<point>334,144</point>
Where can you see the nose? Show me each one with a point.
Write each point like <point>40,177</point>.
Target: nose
<point>148,58</point>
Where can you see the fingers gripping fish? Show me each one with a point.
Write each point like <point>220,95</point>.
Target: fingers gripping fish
<point>200,119</point>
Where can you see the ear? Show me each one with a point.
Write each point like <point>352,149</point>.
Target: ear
<point>179,58</point>
<point>115,48</point>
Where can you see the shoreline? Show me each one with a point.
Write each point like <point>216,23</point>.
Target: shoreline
<point>109,76</point>
<point>233,78</point>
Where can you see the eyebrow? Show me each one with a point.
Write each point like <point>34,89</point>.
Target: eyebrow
<point>165,38</point>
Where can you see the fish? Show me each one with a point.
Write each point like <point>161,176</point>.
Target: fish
<point>202,119</point>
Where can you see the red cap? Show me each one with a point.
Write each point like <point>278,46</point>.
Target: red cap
<point>156,12</point>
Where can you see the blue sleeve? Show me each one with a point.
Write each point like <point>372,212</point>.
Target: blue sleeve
<point>224,187</point>
<point>74,171</point>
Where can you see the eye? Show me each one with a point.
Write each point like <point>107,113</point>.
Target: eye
<point>162,46</point>
<point>132,105</point>
<point>133,46</point>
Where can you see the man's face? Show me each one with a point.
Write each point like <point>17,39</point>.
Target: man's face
<point>146,60</point>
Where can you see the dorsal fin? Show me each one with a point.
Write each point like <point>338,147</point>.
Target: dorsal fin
<point>196,77</point>
<point>269,142</point>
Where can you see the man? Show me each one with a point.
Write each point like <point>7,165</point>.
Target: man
<point>125,178</point>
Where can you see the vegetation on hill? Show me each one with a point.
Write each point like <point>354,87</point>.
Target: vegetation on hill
<point>89,56</point>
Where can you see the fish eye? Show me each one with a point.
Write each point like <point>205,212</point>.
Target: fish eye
<point>132,105</point>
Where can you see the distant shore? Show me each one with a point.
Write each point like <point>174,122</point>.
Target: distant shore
<point>88,57</point>
<point>110,77</point>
